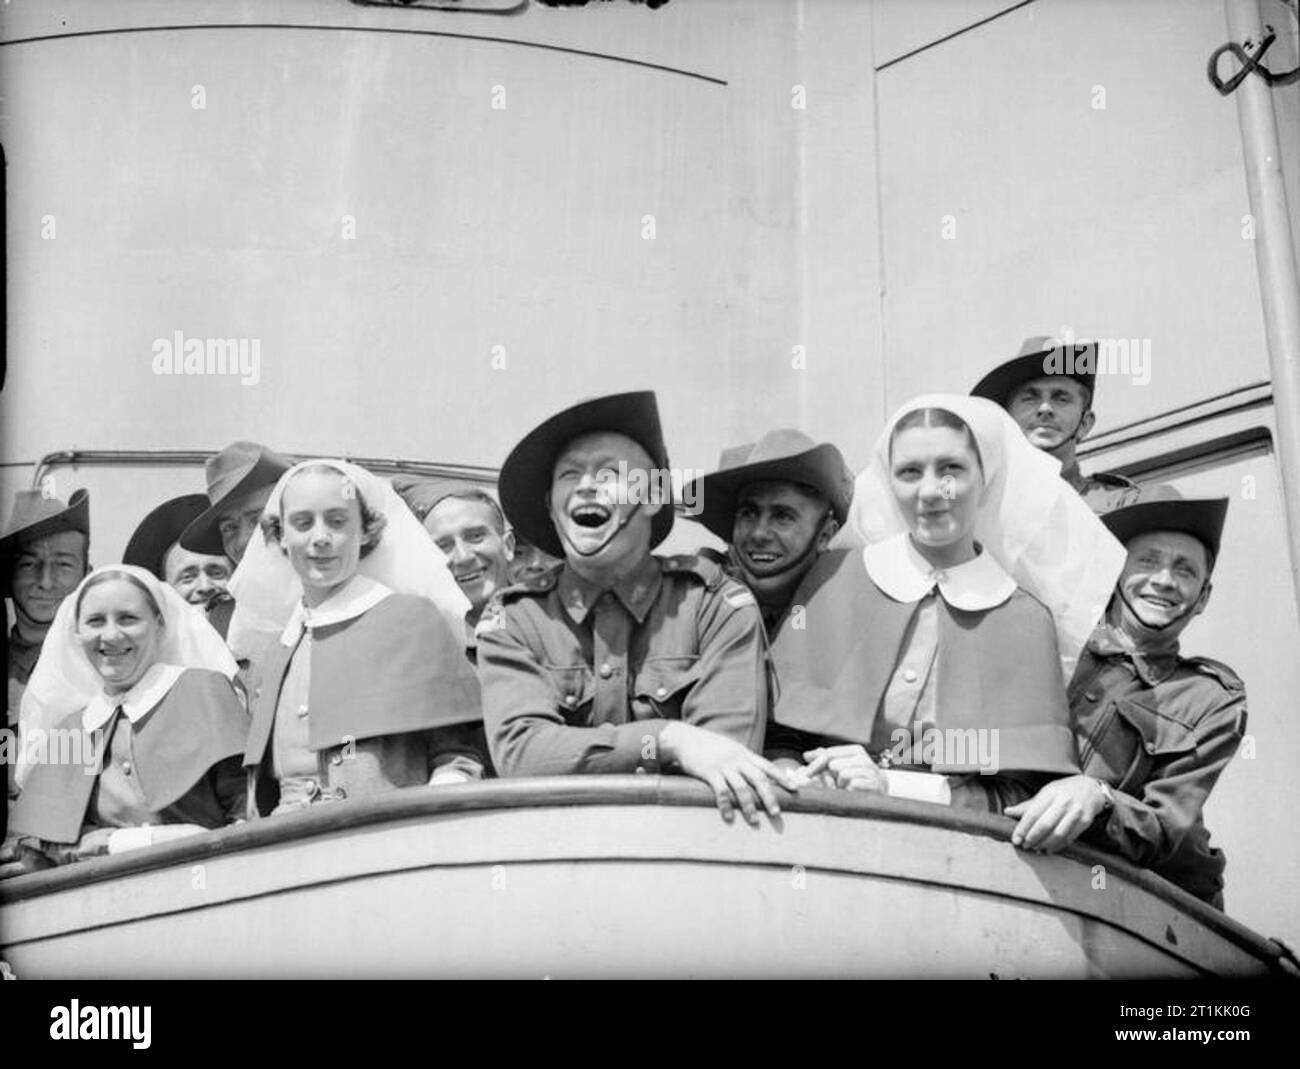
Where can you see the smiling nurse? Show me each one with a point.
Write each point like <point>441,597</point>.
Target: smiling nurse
<point>942,629</point>
<point>368,687</point>
<point>142,682</point>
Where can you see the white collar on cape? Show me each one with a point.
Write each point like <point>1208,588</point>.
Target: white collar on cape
<point>151,688</point>
<point>900,571</point>
<point>358,595</point>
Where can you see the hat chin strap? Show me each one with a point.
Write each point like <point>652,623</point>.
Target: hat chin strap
<point>809,550</point>
<point>1073,436</point>
<point>1155,627</point>
<point>559,528</point>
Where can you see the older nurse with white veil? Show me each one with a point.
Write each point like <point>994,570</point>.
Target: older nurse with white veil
<point>927,655</point>
<point>132,730</point>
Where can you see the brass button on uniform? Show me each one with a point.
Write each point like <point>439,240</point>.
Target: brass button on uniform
<point>302,710</point>
<point>570,699</point>
<point>606,671</point>
<point>909,676</point>
<point>126,768</point>
<point>662,692</point>
<point>337,759</point>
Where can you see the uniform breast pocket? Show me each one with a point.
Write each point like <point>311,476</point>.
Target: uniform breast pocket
<point>573,688</point>
<point>662,685</point>
<point>1150,741</point>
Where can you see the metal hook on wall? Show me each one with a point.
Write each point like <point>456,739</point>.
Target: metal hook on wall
<point>1248,63</point>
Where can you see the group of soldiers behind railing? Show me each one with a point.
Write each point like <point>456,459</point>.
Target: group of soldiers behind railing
<point>971,621</point>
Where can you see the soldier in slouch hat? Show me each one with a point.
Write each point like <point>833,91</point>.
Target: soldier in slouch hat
<point>618,660</point>
<point>777,502</point>
<point>1154,729</point>
<point>1048,389</point>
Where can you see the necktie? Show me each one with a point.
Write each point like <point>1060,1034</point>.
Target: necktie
<point>612,629</point>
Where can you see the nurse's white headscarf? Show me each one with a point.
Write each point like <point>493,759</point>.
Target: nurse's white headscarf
<point>1031,521</point>
<point>64,681</point>
<point>266,589</point>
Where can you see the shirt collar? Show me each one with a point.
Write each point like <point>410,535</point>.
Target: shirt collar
<point>358,595</point>
<point>1107,640</point>
<point>152,688</point>
<point>900,571</point>
<point>637,591</point>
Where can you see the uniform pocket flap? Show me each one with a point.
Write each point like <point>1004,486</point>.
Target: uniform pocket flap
<point>662,679</point>
<point>574,685</point>
<point>1159,734</point>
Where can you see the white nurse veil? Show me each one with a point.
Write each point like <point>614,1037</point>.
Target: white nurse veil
<point>266,589</point>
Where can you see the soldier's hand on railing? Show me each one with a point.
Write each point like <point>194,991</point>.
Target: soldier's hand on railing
<point>1059,813</point>
<point>21,855</point>
<point>847,767</point>
<point>737,775</point>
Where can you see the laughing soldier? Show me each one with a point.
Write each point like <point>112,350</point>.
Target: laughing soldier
<point>1154,729</point>
<point>1055,410</point>
<point>778,502</point>
<point>617,660</point>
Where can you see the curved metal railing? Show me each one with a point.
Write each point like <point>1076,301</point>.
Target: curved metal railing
<point>571,791</point>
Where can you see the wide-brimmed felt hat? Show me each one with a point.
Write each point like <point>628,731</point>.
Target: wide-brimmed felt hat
<point>34,516</point>
<point>779,456</point>
<point>1163,508</point>
<point>1037,357</point>
<point>525,482</point>
<point>240,468</point>
<point>161,530</point>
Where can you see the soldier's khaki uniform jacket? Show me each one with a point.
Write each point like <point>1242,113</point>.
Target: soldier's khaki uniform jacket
<point>576,679</point>
<point>1102,491</point>
<point>1159,729</point>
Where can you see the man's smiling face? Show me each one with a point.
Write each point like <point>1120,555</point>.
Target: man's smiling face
<point>45,571</point>
<point>590,500</point>
<point>777,530</point>
<point>1165,579</point>
<point>478,552</point>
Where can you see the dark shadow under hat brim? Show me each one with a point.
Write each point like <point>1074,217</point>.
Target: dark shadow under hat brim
<point>162,529</point>
<point>204,534</point>
<point>821,468</point>
<point>998,385</point>
<point>524,485</point>
<point>1201,518</point>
